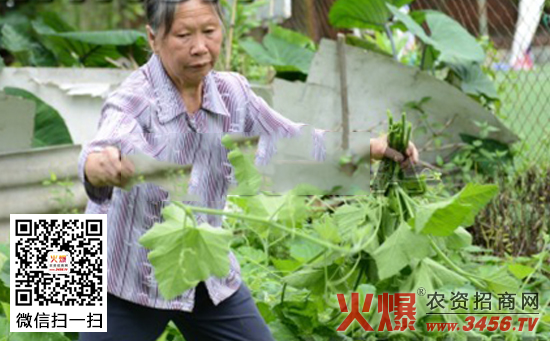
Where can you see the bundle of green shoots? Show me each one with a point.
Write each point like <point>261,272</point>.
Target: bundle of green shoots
<point>393,182</point>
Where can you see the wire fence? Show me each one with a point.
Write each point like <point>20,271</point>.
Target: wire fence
<point>520,33</point>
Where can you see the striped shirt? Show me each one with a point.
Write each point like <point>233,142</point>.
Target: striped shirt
<point>147,114</point>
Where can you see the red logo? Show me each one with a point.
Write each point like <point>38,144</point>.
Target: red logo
<point>402,306</point>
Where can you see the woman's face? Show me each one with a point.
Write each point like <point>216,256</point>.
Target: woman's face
<point>190,50</point>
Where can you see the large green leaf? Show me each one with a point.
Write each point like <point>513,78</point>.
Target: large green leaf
<point>283,55</point>
<point>14,41</point>
<point>49,127</point>
<point>362,13</point>
<point>66,51</point>
<point>292,37</point>
<point>430,275</point>
<point>452,40</point>
<point>474,80</point>
<point>399,250</point>
<point>441,218</point>
<point>444,217</point>
<point>183,255</point>
<point>498,279</point>
<point>478,196</point>
<point>25,50</point>
<point>92,49</point>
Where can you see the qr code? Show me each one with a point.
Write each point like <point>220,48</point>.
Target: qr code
<point>57,261</point>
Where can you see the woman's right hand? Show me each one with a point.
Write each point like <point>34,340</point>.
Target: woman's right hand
<point>106,168</point>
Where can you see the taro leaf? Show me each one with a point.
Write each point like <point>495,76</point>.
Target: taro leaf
<point>365,44</point>
<point>444,217</point>
<point>292,37</point>
<point>429,57</point>
<point>367,14</point>
<point>454,43</point>
<point>411,25</point>
<point>49,127</point>
<point>183,255</point>
<point>402,247</point>
<point>283,55</point>
<point>474,80</point>
<point>452,39</point>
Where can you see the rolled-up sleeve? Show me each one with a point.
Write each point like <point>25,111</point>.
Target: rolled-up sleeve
<point>117,127</point>
<point>264,121</point>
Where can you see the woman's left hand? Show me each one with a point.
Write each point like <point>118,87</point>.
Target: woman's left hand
<point>379,149</point>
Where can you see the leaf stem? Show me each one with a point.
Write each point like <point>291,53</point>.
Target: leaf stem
<point>267,222</point>
<point>454,267</point>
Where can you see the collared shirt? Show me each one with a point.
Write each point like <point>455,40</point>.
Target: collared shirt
<point>147,114</point>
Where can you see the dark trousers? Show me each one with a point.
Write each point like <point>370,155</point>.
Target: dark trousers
<point>235,319</point>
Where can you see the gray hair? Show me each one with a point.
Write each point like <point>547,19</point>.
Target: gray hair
<point>160,13</point>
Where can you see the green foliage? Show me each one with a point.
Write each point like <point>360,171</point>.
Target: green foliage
<point>447,36</point>
<point>366,14</point>
<point>49,41</point>
<point>400,249</point>
<point>62,194</point>
<point>285,50</point>
<point>183,254</point>
<point>246,21</point>
<point>246,174</point>
<point>444,217</point>
<point>474,81</point>
<point>49,127</point>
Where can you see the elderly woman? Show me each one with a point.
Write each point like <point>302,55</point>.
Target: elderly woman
<point>176,108</point>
